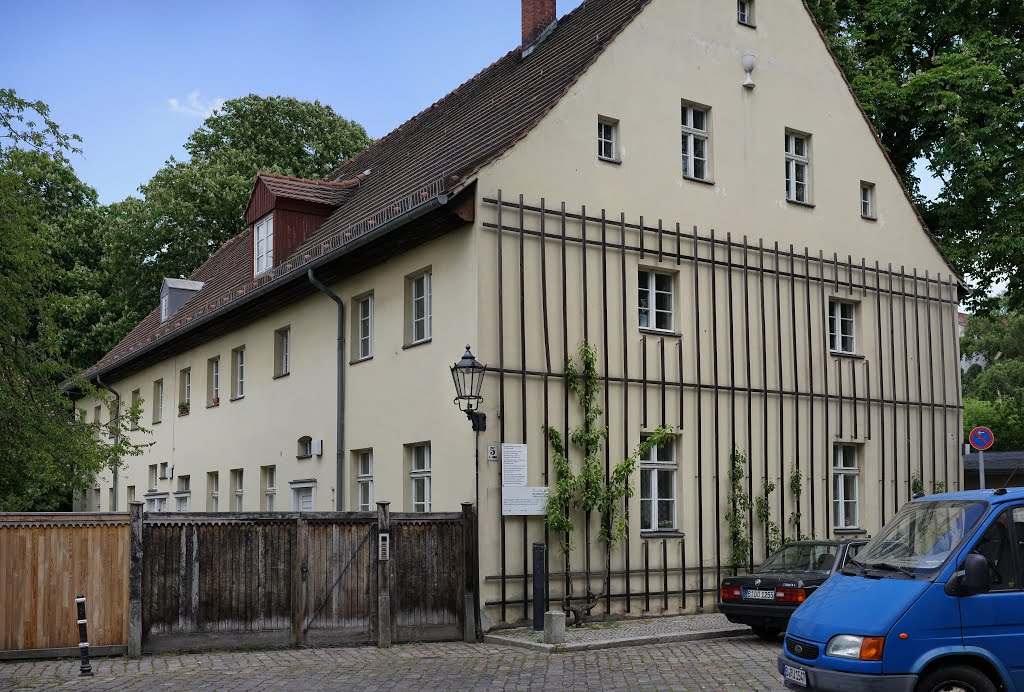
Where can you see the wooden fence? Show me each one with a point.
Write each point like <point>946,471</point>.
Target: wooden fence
<point>47,560</point>
<point>170,582</point>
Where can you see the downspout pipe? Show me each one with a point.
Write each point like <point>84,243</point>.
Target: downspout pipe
<point>339,494</point>
<point>117,432</point>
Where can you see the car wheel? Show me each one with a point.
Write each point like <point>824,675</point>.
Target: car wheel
<point>956,679</point>
<point>768,634</point>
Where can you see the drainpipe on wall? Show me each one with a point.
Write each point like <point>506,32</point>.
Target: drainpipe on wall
<point>339,495</point>
<point>117,431</point>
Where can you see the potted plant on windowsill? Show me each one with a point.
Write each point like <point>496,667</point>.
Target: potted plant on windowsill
<point>183,408</point>
<point>215,401</point>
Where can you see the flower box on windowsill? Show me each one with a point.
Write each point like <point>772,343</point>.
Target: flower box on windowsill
<point>183,409</point>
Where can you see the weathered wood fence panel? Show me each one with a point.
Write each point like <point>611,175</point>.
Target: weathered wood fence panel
<point>47,560</point>
<point>341,580</point>
<point>428,578</point>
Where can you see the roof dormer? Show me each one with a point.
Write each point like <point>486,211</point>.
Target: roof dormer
<point>174,293</point>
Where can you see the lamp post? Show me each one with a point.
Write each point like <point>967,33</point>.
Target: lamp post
<point>468,376</point>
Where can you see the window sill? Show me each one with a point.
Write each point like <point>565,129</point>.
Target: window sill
<point>704,181</point>
<point>746,24</point>
<point>236,398</point>
<point>809,205</point>
<point>417,343</point>
<point>283,374</point>
<point>157,422</point>
<point>660,332</point>
<point>182,413</point>
<point>850,532</point>
<point>617,162</point>
<point>360,360</point>
<point>303,456</point>
<point>844,354</point>
<point>663,533</point>
<point>869,218</point>
<point>213,405</point>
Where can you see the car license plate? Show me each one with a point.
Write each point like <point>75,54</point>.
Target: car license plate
<point>796,675</point>
<point>759,594</point>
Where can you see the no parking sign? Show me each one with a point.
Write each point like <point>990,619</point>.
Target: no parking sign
<point>981,438</point>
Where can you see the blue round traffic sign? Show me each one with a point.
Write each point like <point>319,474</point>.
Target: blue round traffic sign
<point>981,438</point>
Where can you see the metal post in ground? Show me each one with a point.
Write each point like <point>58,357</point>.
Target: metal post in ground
<point>540,597</point>
<point>83,638</point>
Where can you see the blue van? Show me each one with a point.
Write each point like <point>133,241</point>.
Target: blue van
<point>934,603</point>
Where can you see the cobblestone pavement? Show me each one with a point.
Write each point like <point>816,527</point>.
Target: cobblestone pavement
<point>598,631</point>
<point>738,663</point>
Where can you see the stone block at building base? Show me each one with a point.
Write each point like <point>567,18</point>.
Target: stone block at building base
<point>554,627</point>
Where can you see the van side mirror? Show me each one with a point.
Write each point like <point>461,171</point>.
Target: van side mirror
<point>973,578</point>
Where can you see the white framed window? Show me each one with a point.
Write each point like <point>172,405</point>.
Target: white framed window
<point>419,477</point>
<point>696,142</point>
<point>237,486</point>
<point>364,480</point>
<point>185,390</point>
<point>658,488</point>
<point>607,139</point>
<point>263,245</point>
<point>238,372</point>
<point>364,317</point>
<point>655,300</point>
<point>841,326</point>
<point>303,495</point>
<point>213,381</point>
<point>269,483</point>
<point>158,401</point>
<point>136,399</point>
<point>282,351</point>
<point>213,491</point>
<point>867,200</point>
<point>420,307</point>
<point>798,167</point>
<point>183,494</point>
<point>164,307</point>
<point>845,492</point>
<point>156,503</point>
<point>153,476</point>
<point>745,12</point>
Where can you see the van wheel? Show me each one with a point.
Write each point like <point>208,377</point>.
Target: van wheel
<point>768,634</point>
<point>956,679</point>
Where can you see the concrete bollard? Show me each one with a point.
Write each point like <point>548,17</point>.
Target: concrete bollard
<point>554,627</point>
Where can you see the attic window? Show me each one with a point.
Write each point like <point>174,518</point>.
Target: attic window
<point>263,245</point>
<point>174,293</point>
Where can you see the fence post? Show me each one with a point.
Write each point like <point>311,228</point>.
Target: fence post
<point>540,597</point>
<point>384,580</point>
<point>135,554</point>
<point>471,568</point>
<point>299,582</point>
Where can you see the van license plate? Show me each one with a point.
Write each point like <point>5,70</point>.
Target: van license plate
<point>759,594</point>
<point>796,675</point>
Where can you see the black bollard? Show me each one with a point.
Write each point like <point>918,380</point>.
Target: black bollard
<point>83,639</point>
<point>540,596</point>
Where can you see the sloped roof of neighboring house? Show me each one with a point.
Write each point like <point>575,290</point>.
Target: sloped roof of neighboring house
<point>437,151</point>
<point>996,461</point>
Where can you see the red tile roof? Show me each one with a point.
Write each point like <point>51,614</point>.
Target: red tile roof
<point>437,150</point>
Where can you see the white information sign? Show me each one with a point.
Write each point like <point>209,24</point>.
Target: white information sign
<point>513,465</point>
<point>523,501</point>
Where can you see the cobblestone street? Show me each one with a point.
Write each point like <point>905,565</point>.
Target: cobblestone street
<point>738,663</point>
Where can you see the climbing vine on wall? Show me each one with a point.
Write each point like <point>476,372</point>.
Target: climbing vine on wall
<point>736,515</point>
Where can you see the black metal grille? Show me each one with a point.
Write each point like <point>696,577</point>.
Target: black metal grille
<point>801,649</point>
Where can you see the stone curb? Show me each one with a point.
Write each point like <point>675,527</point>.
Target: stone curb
<point>614,643</point>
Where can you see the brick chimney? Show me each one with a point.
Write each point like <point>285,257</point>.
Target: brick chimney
<point>538,15</point>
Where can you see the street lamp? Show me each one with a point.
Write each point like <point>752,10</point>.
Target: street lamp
<point>468,375</point>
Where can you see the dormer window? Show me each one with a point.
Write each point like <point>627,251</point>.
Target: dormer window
<point>263,245</point>
<point>165,311</point>
<point>174,293</point>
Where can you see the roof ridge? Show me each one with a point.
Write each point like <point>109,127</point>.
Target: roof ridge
<point>313,181</point>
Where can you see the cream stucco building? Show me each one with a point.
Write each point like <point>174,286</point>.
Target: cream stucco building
<point>616,180</point>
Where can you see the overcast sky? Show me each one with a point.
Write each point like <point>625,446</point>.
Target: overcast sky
<point>134,79</point>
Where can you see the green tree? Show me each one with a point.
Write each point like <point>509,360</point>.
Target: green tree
<point>942,82</point>
<point>46,451</point>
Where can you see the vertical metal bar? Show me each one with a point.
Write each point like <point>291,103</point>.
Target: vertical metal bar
<point>522,389</point>
<point>796,384</point>
<point>867,403</point>
<point>750,392</point>
<point>586,284</point>
<point>956,383</point>
<point>853,387</point>
<point>85,668</point>
<point>682,561</point>
<point>849,274</point>
<point>625,398</point>
<point>664,572</point>
<point>945,392</point>
<point>764,381</point>
<point>881,389</point>
<point>547,371</point>
<point>906,371</point>
<point>920,382</point>
<point>641,237</point>
<point>931,370</point>
<point>647,578</point>
<point>732,351</point>
<point>660,237</point>
<point>643,382</point>
<point>718,451</point>
<point>567,592</point>
<point>664,383</point>
<point>782,397</point>
<point>539,594</point>
<point>842,399</point>
<point>682,387</point>
<point>835,271</point>
<point>679,246</point>
<point>895,399</point>
<point>700,454</point>
<point>501,390</point>
<point>826,435</point>
<point>810,388</point>
<point>607,395</point>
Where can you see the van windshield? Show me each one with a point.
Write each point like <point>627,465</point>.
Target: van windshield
<point>920,538</point>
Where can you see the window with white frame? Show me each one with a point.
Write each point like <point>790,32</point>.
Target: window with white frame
<point>364,327</point>
<point>745,12</point>
<point>845,493</point>
<point>238,372</point>
<point>164,308</point>
<point>658,488</point>
<point>269,483</point>
<point>798,167</point>
<point>213,381</point>
<point>136,412</point>
<point>237,486</point>
<point>213,491</point>
<point>263,245</point>
<point>184,391</point>
<point>282,351</point>
<point>841,326</point>
<point>183,494</point>
<point>364,480</point>
<point>420,308</point>
<point>696,144</point>
<point>157,503</point>
<point>153,477</point>
<point>867,200</point>
<point>608,139</point>
<point>303,495</point>
<point>158,401</point>
<point>419,477</point>
<point>656,298</point>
